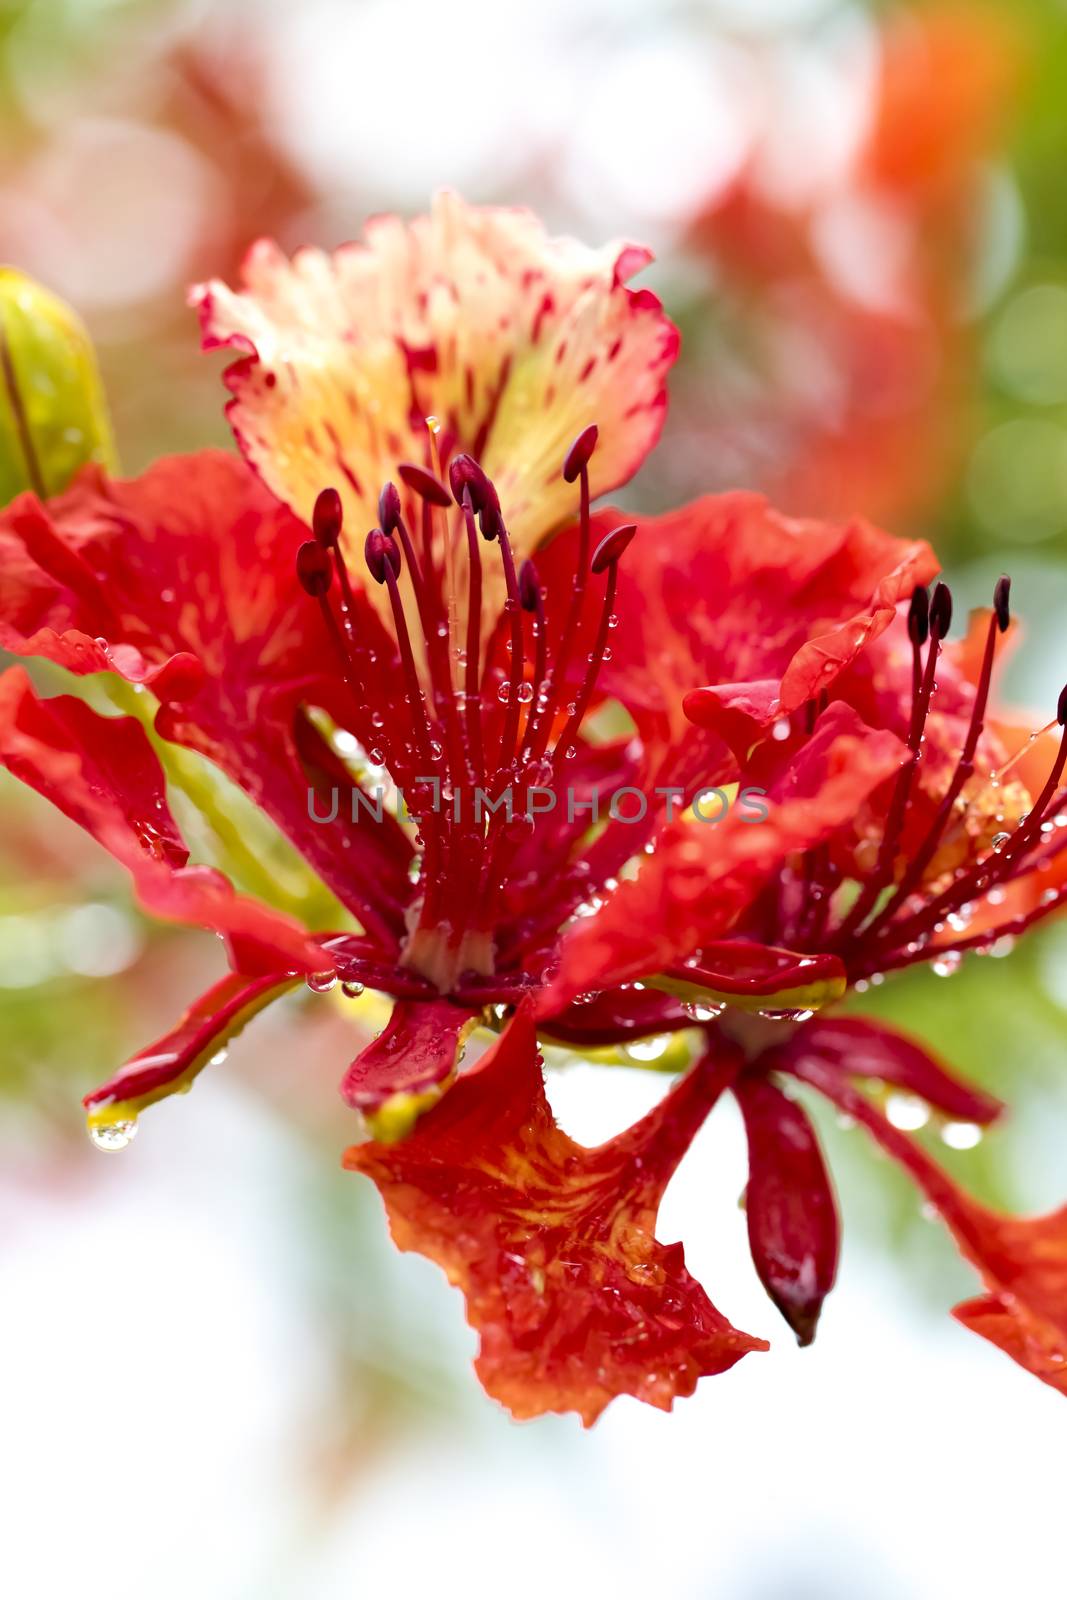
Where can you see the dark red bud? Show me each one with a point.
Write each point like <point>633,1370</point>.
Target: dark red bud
<point>327,517</point>
<point>314,569</point>
<point>612,546</point>
<point>919,616</point>
<point>529,587</point>
<point>1000,603</point>
<point>424,484</point>
<point>579,452</point>
<point>1061,708</point>
<point>389,507</point>
<point>941,610</point>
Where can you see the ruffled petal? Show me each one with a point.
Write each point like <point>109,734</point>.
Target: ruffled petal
<point>102,773</point>
<point>512,340</point>
<point>792,1219</point>
<point>170,1065</point>
<point>408,1067</point>
<point>702,877</point>
<point>553,1244</point>
<point>1022,1260</point>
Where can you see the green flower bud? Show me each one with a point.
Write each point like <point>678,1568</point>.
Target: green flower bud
<point>53,414</point>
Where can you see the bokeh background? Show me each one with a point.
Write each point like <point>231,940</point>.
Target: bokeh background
<point>216,1377</point>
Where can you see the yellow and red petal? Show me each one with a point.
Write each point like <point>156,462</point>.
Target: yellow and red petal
<point>514,341</point>
<point>408,1066</point>
<point>553,1244</point>
<point>103,774</point>
<point>170,1065</point>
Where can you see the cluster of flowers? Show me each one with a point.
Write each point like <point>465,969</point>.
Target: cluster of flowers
<point>465,387</point>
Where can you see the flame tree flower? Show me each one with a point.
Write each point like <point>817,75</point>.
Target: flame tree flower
<point>455,386</point>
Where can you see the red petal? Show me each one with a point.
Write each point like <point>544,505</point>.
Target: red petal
<point>553,1244</point>
<point>102,773</point>
<point>727,591</point>
<point>792,1217</point>
<point>408,1067</point>
<point>170,1065</point>
<point>514,341</point>
<point>702,877</point>
<point>1023,1260</point>
<point>859,1048</point>
<point>194,563</point>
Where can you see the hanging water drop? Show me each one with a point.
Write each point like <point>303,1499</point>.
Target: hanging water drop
<point>321,982</point>
<point>112,1136</point>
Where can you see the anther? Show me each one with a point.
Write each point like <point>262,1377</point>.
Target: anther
<point>919,616</point>
<point>327,517</point>
<point>313,569</point>
<point>612,546</point>
<point>1061,707</point>
<point>1000,603</point>
<point>529,586</point>
<point>425,485</point>
<point>389,508</point>
<point>579,453</point>
<point>380,553</point>
<point>941,610</point>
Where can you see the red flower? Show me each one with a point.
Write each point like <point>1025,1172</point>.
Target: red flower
<point>436,649</point>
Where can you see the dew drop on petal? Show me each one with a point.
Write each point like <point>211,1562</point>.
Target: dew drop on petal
<point>907,1111</point>
<point>112,1136</point>
<point>321,982</point>
<point>961,1135</point>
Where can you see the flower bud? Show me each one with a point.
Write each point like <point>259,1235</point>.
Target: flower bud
<point>53,415</point>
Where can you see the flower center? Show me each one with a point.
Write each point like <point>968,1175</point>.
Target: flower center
<point>464,738</point>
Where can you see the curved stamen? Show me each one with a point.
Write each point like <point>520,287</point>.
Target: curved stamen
<point>608,553</point>
<point>940,618</point>
<point>998,624</point>
<point>576,465</point>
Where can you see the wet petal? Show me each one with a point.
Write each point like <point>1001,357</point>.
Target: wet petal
<point>861,1048</point>
<point>1022,1260</point>
<point>513,340</point>
<point>408,1067</point>
<point>703,876</point>
<point>170,1065</point>
<point>553,1244</point>
<point>102,773</point>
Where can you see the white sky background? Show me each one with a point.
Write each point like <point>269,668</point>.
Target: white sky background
<point>162,1374</point>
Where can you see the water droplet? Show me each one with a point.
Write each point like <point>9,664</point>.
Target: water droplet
<point>947,963</point>
<point>112,1136</point>
<point>436,752</point>
<point>218,1058</point>
<point>999,841</point>
<point>781,729</point>
<point>525,693</point>
<point>321,982</point>
<point>786,1015</point>
<point>613,621</point>
<point>907,1111</point>
<point>648,1049</point>
<point>703,1010</point>
<point>503,694</point>
<point>351,989</point>
<point>961,1135</point>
